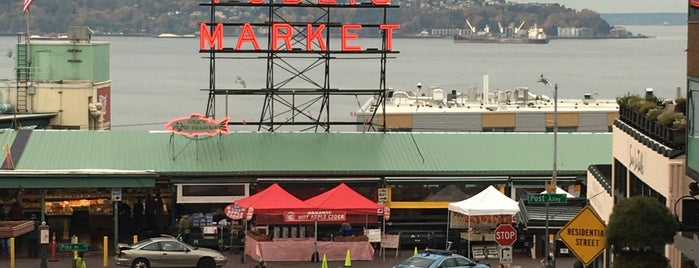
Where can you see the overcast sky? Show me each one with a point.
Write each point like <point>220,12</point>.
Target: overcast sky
<point>620,6</point>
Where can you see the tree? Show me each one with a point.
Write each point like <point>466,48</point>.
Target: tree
<point>638,230</point>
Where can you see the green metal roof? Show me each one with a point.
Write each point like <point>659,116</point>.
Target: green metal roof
<point>312,154</point>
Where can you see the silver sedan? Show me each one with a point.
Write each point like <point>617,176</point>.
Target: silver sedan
<point>167,252</point>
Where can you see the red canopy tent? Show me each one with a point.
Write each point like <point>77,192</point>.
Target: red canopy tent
<point>273,200</point>
<point>342,197</point>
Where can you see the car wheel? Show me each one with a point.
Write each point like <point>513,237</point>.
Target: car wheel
<point>140,263</point>
<point>206,263</point>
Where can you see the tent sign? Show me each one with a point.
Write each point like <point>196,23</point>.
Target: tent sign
<point>313,216</point>
<point>584,235</point>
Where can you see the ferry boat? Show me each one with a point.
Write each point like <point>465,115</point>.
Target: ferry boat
<point>517,110</point>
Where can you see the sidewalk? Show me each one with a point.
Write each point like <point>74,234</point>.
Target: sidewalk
<point>94,259</point>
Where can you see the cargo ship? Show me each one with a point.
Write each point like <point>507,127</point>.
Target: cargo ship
<point>509,35</point>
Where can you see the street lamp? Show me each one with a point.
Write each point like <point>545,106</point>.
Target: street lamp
<point>551,262</point>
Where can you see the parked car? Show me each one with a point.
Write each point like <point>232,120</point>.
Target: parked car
<point>439,258</point>
<point>167,252</point>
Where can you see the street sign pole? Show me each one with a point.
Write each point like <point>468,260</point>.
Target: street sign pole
<point>552,262</point>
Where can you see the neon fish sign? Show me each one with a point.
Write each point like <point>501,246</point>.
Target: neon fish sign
<point>197,124</point>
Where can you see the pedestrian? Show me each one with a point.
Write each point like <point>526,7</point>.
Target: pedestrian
<point>34,238</point>
<point>184,228</point>
<point>16,213</point>
<point>4,242</point>
<point>346,229</point>
<point>431,243</point>
<point>80,260</point>
<point>137,216</point>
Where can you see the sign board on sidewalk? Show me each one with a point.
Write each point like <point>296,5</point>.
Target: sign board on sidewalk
<point>374,235</point>
<point>389,241</point>
<point>584,235</point>
<point>506,254</point>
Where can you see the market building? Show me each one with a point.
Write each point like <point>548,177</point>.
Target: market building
<point>206,175</point>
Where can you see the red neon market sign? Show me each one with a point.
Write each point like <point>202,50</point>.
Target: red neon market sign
<point>283,32</point>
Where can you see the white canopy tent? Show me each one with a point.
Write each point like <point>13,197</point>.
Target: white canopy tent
<point>488,202</point>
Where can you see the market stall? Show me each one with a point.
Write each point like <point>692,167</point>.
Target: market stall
<point>268,205</point>
<point>485,211</point>
<point>293,232</point>
<point>343,199</point>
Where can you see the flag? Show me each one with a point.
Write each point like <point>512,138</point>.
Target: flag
<point>694,3</point>
<point>27,3</point>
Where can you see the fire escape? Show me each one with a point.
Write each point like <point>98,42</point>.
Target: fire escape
<point>23,73</point>
<point>298,91</point>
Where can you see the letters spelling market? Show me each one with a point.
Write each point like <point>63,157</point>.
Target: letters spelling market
<point>284,32</point>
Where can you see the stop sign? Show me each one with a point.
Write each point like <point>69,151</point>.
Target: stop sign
<point>505,235</point>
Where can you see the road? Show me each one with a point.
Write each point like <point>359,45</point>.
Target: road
<point>94,259</point>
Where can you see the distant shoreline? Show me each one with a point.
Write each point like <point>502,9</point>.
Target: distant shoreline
<point>601,37</point>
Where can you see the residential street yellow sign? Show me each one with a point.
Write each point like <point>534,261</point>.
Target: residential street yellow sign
<point>584,235</point>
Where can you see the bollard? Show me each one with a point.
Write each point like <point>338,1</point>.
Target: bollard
<point>12,252</point>
<point>53,248</point>
<point>74,240</point>
<point>105,251</point>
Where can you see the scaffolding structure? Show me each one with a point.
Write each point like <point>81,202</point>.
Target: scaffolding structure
<point>298,87</point>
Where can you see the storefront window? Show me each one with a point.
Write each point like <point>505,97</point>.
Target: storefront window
<point>211,193</point>
<point>213,190</point>
<point>426,192</point>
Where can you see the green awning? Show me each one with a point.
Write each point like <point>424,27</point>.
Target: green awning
<point>82,182</point>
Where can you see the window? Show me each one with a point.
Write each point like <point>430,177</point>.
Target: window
<point>461,262</point>
<point>563,129</point>
<point>620,178</point>
<point>152,247</point>
<point>638,187</point>
<point>211,193</point>
<point>449,262</point>
<point>499,129</point>
<point>172,246</point>
<point>212,190</point>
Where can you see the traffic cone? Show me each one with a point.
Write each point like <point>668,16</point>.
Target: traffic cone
<point>415,252</point>
<point>348,259</point>
<point>325,262</point>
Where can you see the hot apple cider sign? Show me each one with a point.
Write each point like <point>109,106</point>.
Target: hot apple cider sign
<point>283,32</point>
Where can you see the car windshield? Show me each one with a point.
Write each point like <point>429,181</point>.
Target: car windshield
<point>418,262</point>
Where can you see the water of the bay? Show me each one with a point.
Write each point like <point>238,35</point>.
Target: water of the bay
<point>157,79</point>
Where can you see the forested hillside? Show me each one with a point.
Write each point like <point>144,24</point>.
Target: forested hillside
<point>148,17</point>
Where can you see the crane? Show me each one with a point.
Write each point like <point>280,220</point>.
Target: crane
<point>520,27</point>
<point>473,29</point>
